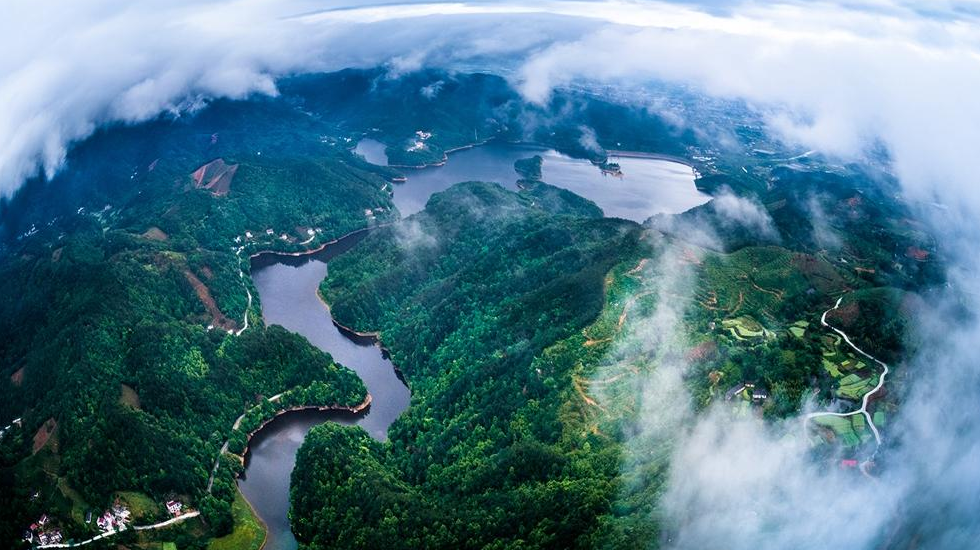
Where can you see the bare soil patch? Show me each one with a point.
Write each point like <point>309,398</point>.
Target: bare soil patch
<point>129,397</point>
<point>204,294</point>
<point>917,254</point>
<point>155,234</point>
<point>44,434</point>
<point>215,176</point>
<point>17,378</point>
<point>844,316</point>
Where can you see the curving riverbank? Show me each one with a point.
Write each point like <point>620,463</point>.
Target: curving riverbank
<point>288,287</point>
<point>355,410</point>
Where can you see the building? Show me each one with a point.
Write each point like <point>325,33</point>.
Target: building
<point>735,390</point>
<point>51,537</point>
<point>174,507</point>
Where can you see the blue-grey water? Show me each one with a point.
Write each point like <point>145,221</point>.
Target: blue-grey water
<point>648,186</point>
<point>287,288</point>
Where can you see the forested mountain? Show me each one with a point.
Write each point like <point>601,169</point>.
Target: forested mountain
<point>132,337</point>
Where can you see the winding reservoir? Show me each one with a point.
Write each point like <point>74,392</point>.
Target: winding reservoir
<point>647,186</point>
<point>288,287</point>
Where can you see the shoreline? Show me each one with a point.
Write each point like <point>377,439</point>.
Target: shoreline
<point>609,153</point>
<point>256,516</point>
<point>353,410</point>
<point>374,339</point>
<point>650,156</point>
<point>318,248</point>
<point>350,333</point>
<point>445,156</point>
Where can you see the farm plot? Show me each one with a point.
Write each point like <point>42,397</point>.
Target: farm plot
<point>850,431</point>
<point>798,329</point>
<point>854,387</point>
<point>745,328</point>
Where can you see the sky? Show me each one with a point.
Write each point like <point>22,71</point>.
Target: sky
<point>838,77</point>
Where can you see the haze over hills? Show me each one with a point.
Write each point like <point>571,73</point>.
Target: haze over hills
<point>779,353</point>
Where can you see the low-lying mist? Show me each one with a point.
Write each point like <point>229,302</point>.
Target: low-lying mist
<point>840,78</point>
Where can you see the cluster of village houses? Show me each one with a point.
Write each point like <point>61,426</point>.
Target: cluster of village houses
<point>112,520</point>
<point>419,143</point>
<point>40,529</point>
<point>369,214</point>
<point>283,236</point>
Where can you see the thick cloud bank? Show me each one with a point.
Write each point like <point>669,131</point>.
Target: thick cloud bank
<point>842,82</point>
<point>70,67</point>
<point>839,78</point>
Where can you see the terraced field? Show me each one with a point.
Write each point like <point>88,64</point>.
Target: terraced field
<point>756,280</point>
<point>745,328</point>
<point>850,431</point>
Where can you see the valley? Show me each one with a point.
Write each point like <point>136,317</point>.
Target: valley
<point>177,308</point>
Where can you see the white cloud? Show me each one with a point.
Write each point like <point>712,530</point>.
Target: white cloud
<point>831,76</point>
<point>431,91</point>
<point>588,140</point>
<point>68,68</point>
<point>734,210</point>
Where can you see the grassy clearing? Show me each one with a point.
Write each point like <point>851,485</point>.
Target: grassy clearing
<point>78,505</point>
<point>852,364</point>
<point>140,505</point>
<point>249,534</point>
<point>879,418</point>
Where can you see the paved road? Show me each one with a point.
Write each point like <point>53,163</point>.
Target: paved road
<point>867,396</point>
<point>108,534</point>
<point>224,447</point>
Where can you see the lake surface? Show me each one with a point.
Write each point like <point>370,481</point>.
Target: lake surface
<point>287,288</point>
<point>373,151</point>
<point>647,187</point>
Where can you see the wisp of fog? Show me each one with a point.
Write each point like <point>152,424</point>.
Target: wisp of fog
<point>838,78</point>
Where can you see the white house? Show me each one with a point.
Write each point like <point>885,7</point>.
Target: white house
<point>174,507</point>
